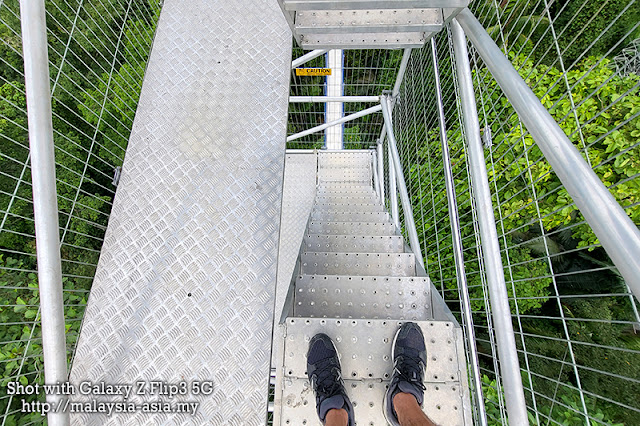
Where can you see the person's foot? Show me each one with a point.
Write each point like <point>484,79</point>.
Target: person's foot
<point>409,355</point>
<point>323,370</point>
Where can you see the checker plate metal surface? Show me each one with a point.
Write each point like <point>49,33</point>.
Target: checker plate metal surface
<point>354,243</point>
<point>185,285</point>
<point>405,298</point>
<point>369,264</point>
<point>365,347</point>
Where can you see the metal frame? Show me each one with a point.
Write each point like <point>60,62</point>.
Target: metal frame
<point>45,201</point>
<point>335,123</point>
<point>456,239</point>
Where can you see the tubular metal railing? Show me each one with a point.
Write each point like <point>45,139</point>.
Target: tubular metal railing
<point>97,56</point>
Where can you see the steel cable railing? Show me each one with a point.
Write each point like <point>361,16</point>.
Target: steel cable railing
<point>98,52</point>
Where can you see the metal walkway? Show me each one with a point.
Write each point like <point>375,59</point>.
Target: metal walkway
<point>356,281</point>
<point>185,284</point>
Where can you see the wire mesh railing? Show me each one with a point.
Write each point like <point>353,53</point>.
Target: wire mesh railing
<point>98,51</point>
<point>575,320</point>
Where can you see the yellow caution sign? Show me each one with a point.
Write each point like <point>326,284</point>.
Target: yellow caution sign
<point>313,71</point>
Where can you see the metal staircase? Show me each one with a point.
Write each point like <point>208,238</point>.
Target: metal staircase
<point>357,281</point>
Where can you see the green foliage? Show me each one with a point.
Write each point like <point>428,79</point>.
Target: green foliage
<point>93,112</point>
<point>592,28</point>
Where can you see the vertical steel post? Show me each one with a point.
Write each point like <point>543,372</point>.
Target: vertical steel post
<point>510,366</point>
<point>335,110</point>
<point>380,169</point>
<point>618,234</point>
<point>45,202</point>
<point>409,223</point>
<point>456,239</point>
<point>393,191</point>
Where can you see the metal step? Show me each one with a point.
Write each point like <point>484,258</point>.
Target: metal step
<point>369,264</point>
<point>328,216</point>
<point>337,186</point>
<point>352,228</point>
<point>337,199</point>
<point>369,4</point>
<point>346,192</point>
<point>414,40</point>
<point>349,207</point>
<point>364,347</point>
<point>353,243</point>
<point>341,160</point>
<point>344,175</point>
<point>337,296</point>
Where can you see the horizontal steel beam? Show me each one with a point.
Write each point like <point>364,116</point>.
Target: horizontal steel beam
<point>323,99</point>
<point>335,123</point>
<point>307,57</point>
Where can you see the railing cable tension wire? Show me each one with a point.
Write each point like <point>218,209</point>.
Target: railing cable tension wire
<point>45,203</point>
<point>457,246</point>
<point>619,236</point>
<point>510,367</point>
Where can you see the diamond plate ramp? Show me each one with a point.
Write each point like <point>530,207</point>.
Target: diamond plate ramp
<point>185,286</point>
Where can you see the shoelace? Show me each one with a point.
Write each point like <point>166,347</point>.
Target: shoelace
<point>328,378</point>
<point>405,365</point>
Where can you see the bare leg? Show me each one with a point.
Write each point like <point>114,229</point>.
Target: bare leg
<point>336,417</point>
<point>409,412</point>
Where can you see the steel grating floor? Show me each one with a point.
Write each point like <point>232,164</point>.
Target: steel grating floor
<point>185,288</point>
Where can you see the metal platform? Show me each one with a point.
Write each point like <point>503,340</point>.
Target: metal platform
<point>185,286</point>
<point>367,24</point>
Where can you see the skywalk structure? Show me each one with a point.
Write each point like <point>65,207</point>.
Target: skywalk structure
<point>253,211</point>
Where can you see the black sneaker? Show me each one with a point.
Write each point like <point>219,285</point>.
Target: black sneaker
<point>323,370</point>
<point>409,363</point>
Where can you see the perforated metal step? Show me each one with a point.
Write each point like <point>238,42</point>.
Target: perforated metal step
<point>346,192</point>
<point>337,186</point>
<point>351,228</point>
<point>361,175</point>
<point>329,216</point>
<point>344,159</point>
<point>355,199</point>
<point>369,264</point>
<point>356,283</point>
<point>336,296</point>
<point>349,207</point>
<point>353,243</point>
<point>365,355</point>
<point>366,24</point>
